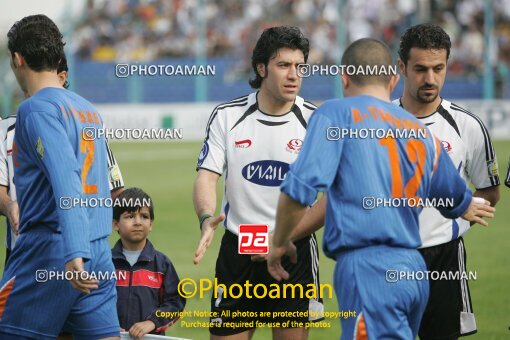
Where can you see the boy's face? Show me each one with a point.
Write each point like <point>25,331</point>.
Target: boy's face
<point>133,227</point>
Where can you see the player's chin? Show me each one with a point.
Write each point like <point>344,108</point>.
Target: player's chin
<point>289,94</point>
<point>428,97</point>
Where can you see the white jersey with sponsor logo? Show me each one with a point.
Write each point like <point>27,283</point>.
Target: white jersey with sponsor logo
<point>253,150</point>
<point>7,127</point>
<point>466,140</point>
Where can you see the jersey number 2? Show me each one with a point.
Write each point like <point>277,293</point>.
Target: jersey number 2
<point>416,153</point>
<point>87,147</point>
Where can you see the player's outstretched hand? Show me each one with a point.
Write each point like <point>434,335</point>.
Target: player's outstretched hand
<point>263,257</point>
<point>208,227</point>
<point>13,216</point>
<point>274,264</point>
<point>139,329</point>
<point>81,282</point>
<point>477,209</point>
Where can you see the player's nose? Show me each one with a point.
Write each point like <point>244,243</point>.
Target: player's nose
<point>429,77</point>
<point>293,73</point>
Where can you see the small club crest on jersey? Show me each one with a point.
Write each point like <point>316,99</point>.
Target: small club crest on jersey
<point>446,146</point>
<point>40,147</point>
<point>294,145</point>
<point>492,168</point>
<point>114,173</point>
<point>203,153</point>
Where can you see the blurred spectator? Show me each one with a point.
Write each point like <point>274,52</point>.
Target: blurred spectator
<point>142,30</point>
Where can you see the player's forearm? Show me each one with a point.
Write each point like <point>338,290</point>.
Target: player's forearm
<point>312,221</point>
<point>490,194</point>
<point>204,195</point>
<point>288,215</point>
<point>5,200</point>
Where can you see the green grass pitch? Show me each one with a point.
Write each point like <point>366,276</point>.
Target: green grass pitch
<point>167,171</point>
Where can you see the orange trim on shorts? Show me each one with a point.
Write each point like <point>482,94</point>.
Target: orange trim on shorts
<point>360,333</point>
<point>5,291</point>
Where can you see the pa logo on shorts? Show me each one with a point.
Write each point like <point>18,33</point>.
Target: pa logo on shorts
<point>253,239</point>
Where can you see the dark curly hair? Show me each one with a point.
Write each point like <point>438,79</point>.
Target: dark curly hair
<point>424,36</point>
<point>38,40</point>
<point>271,40</point>
<point>132,200</point>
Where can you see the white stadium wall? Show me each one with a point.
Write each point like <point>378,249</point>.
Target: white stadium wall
<point>494,113</point>
<point>192,118</point>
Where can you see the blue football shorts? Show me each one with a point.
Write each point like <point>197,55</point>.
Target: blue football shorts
<point>35,306</point>
<point>368,281</point>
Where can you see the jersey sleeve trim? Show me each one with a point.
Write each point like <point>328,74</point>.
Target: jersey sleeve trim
<point>201,167</point>
<point>490,155</point>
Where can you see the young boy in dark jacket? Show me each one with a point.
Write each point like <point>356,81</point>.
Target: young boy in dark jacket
<point>146,279</point>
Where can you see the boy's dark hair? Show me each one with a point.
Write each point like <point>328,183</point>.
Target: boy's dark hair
<point>271,40</point>
<point>62,66</point>
<point>424,36</point>
<point>132,200</point>
<point>38,40</point>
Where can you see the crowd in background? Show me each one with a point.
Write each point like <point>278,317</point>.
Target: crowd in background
<point>144,30</point>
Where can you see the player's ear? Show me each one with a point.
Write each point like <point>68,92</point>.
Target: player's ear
<point>393,82</point>
<point>62,77</point>
<point>345,81</point>
<point>401,67</point>
<point>261,70</point>
<point>17,60</point>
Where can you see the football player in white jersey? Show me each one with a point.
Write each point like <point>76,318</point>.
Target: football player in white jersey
<point>423,56</point>
<point>8,202</point>
<point>252,140</point>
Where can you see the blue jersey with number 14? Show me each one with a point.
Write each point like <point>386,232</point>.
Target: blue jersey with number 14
<point>57,169</point>
<point>402,161</point>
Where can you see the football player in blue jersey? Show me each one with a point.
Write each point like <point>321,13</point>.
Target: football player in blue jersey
<point>373,244</point>
<point>54,166</point>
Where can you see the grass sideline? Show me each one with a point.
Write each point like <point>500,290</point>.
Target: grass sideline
<point>166,172</point>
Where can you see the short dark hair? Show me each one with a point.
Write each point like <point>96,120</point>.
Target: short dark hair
<point>38,40</point>
<point>368,52</point>
<point>131,200</point>
<point>62,66</point>
<point>271,40</point>
<point>424,36</point>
